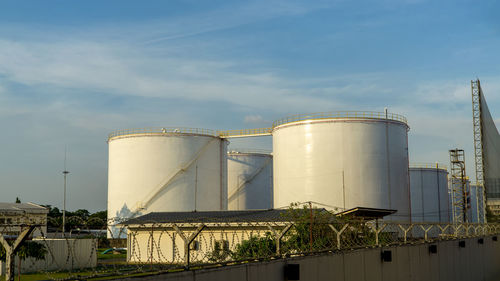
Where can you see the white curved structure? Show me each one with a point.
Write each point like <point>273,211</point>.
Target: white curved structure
<point>343,160</point>
<point>165,169</point>
<point>249,180</point>
<point>429,193</point>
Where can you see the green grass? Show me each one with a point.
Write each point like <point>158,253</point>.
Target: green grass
<point>85,275</point>
<point>49,276</point>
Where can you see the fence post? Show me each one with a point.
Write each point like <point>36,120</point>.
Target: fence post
<point>377,231</point>
<point>405,230</point>
<point>10,251</point>
<point>278,236</point>
<point>188,241</point>
<point>338,233</point>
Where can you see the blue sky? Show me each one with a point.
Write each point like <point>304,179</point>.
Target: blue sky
<point>71,72</point>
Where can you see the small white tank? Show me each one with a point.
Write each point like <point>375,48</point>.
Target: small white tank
<point>429,193</point>
<point>249,180</point>
<point>343,160</point>
<point>165,169</point>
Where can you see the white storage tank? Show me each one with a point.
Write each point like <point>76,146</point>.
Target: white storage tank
<point>165,169</point>
<point>343,160</point>
<point>249,180</point>
<point>429,193</point>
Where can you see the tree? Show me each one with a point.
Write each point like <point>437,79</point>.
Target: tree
<point>490,216</point>
<point>82,213</point>
<point>255,247</point>
<point>28,249</point>
<point>311,231</point>
<point>18,200</point>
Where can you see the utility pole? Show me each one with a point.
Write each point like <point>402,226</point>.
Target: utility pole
<point>65,173</point>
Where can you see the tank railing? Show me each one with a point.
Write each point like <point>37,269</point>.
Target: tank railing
<point>162,130</point>
<point>260,131</point>
<point>250,151</point>
<point>429,166</point>
<point>155,246</point>
<point>341,114</point>
<point>244,133</point>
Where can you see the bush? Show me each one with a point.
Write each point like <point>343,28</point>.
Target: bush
<point>255,247</point>
<point>27,250</point>
<point>220,252</point>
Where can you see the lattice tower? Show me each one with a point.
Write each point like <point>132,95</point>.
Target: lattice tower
<point>478,147</point>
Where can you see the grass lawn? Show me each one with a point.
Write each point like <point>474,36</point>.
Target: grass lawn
<point>84,275</point>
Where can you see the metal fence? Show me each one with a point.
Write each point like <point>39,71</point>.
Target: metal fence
<point>341,114</point>
<point>161,130</point>
<point>163,247</point>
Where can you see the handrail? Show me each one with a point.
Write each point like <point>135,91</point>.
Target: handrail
<point>162,130</point>
<point>260,131</point>
<point>341,114</point>
<point>245,132</point>
<point>429,166</point>
<point>249,151</point>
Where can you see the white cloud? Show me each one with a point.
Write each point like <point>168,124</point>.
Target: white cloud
<point>254,119</point>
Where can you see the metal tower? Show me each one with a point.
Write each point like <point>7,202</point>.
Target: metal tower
<point>478,146</point>
<point>459,190</point>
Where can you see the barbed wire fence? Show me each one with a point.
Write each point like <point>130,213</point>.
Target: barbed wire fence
<point>160,247</point>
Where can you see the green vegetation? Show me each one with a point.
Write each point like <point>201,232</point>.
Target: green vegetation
<point>490,217</point>
<point>85,275</point>
<point>311,232</point>
<point>80,218</point>
<point>255,247</point>
<point>27,250</point>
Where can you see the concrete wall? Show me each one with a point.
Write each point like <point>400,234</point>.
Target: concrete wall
<point>62,254</point>
<point>475,262</point>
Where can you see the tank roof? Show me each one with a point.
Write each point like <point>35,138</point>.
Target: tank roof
<point>428,166</point>
<point>341,115</point>
<point>160,131</point>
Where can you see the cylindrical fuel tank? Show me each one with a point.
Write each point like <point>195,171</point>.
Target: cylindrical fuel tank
<point>249,180</point>
<point>429,193</point>
<point>165,169</point>
<point>343,160</point>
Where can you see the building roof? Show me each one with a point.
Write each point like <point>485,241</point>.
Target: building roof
<point>367,213</point>
<point>22,208</point>
<point>270,215</point>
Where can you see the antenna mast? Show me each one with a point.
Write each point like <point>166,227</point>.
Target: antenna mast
<point>65,173</point>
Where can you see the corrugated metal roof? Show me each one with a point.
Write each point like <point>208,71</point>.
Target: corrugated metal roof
<point>22,208</point>
<point>211,216</point>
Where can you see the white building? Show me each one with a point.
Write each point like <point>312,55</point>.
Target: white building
<point>159,237</point>
<point>14,215</point>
